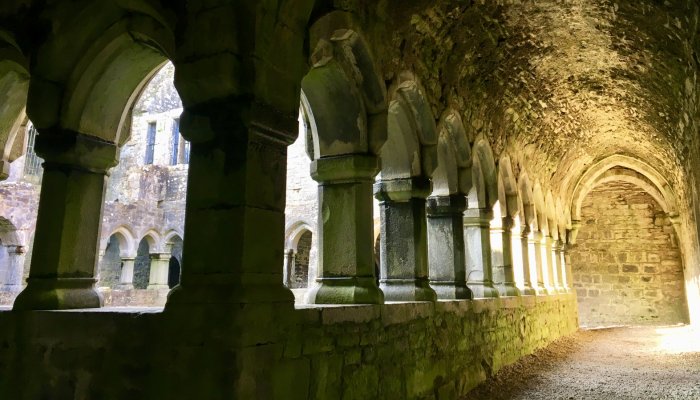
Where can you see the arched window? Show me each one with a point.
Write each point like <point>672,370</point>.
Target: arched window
<point>142,265</point>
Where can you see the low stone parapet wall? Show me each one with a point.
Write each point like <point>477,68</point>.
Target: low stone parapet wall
<point>421,350</point>
<point>114,297</point>
<point>391,351</point>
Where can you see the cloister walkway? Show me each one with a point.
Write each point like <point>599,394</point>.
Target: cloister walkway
<point>637,363</point>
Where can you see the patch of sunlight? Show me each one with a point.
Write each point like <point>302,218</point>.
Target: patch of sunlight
<point>678,339</point>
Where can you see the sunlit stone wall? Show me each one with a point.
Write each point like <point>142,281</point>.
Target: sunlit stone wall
<point>392,351</point>
<point>627,264</point>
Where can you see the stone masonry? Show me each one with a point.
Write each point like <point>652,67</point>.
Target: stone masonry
<point>627,265</point>
<point>393,351</point>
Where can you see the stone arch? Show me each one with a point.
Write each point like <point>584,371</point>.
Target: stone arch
<point>526,199</point>
<point>540,209</point>
<point>172,243</point>
<point>142,262</point>
<point>560,216</point>
<point>14,84</point>
<point>153,239</point>
<point>299,268</point>
<point>127,241</point>
<point>298,246</point>
<point>646,177</point>
<point>170,237</point>
<point>294,232</point>
<point>484,192</point>
<point>92,89</point>
<point>507,188</point>
<point>452,174</point>
<point>628,237</point>
<point>551,214</point>
<point>411,133</point>
<point>343,96</point>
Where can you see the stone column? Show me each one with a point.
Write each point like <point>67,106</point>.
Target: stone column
<point>504,263</point>
<point>289,262</point>
<point>345,225</point>
<point>567,267</point>
<point>529,276</point>
<point>561,266</point>
<point>446,262</point>
<point>66,241</point>
<point>548,254</point>
<point>126,279</point>
<point>15,269</point>
<point>234,221</point>
<point>160,266</point>
<point>477,245</point>
<point>536,245</point>
<point>564,272</point>
<point>403,246</point>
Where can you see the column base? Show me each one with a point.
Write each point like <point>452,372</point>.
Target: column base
<point>560,289</point>
<point>125,286</point>
<point>482,290</point>
<point>507,289</point>
<point>528,291</point>
<point>58,294</point>
<point>407,290</point>
<point>450,290</point>
<point>345,290</point>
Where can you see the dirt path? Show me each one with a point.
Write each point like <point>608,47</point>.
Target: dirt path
<point>616,363</point>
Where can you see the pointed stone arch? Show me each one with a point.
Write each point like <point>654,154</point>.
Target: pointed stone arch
<point>507,187</point>
<point>343,98</point>
<point>92,90</point>
<point>484,192</point>
<point>14,84</point>
<point>627,169</point>
<point>526,198</point>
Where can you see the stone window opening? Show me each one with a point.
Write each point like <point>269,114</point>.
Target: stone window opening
<point>180,147</point>
<point>150,142</point>
<point>175,143</point>
<point>298,256</point>
<point>32,162</point>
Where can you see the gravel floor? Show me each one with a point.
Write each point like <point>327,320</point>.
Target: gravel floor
<point>614,363</point>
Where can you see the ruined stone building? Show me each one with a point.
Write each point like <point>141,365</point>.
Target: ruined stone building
<point>318,199</point>
<point>144,205</point>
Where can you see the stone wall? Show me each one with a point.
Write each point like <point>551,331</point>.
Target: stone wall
<point>627,264</point>
<point>392,351</point>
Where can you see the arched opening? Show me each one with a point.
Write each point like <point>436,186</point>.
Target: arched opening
<point>627,265</point>
<point>12,256</point>
<point>142,265</point>
<point>301,212</point>
<point>299,256</point>
<point>110,264</point>
<point>300,273</point>
<point>173,272</point>
<point>175,262</point>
